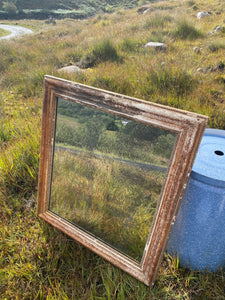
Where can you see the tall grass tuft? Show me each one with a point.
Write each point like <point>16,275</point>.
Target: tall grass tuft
<point>216,46</point>
<point>185,30</point>
<point>105,51</point>
<point>129,45</point>
<point>31,84</point>
<point>174,82</point>
<point>19,145</point>
<point>7,55</point>
<point>19,166</point>
<point>101,52</point>
<point>157,21</point>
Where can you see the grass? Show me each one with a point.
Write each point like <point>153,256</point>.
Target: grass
<point>111,189</point>
<point>109,201</point>
<point>102,51</point>
<point>157,21</point>
<point>3,32</point>
<point>19,146</point>
<point>62,9</point>
<point>36,261</point>
<point>185,30</point>
<point>177,82</point>
<point>216,46</point>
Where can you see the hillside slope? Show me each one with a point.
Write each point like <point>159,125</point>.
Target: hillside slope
<point>21,9</point>
<point>74,4</point>
<point>38,262</point>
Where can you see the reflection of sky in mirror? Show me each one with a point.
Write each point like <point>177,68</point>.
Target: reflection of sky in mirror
<point>107,174</point>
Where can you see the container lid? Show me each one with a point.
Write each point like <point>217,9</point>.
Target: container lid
<point>209,165</point>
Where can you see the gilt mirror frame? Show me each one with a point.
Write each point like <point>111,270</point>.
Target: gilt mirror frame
<point>189,128</point>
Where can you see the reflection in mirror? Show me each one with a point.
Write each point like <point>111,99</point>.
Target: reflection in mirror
<point>108,173</point>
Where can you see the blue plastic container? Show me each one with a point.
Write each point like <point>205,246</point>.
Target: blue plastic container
<point>198,235</point>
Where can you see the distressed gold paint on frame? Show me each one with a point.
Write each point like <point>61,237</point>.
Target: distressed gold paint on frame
<point>113,170</point>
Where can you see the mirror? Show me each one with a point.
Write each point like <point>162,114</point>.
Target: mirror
<point>113,171</point>
<point>108,174</point>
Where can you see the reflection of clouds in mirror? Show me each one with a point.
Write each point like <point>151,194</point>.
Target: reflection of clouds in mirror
<point>107,174</point>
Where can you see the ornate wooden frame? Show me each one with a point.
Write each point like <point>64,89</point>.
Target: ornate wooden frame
<point>189,128</point>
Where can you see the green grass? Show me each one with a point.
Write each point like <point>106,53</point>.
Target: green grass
<point>110,191</point>
<point>3,32</point>
<point>77,9</point>
<point>216,46</point>
<point>36,261</point>
<point>157,21</point>
<point>112,200</point>
<point>185,30</point>
<point>102,51</point>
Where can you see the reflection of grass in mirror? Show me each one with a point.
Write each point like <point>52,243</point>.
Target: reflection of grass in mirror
<point>104,134</point>
<point>67,121</point>
<point>103,178</point>
<point>114,201</point>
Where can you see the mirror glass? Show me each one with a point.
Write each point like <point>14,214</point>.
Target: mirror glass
<point>108,173</point>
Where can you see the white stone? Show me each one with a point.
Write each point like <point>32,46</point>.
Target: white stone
<point>146,11</point>
<point>70,69</point>
<point>216,29</point>
<point>202,14</point>
<point>156,45</point>
<point>197,50</point>
<point>199,70</point>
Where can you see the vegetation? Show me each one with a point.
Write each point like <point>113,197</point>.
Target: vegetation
<point>93,130</point>
<point>10,8</point>
<point>109,174</point>
<point>101,52</point>
<point>77,9</point>
<point>3,32</point>
<point>36,261</point>
<point>184,30</point>
<point>112,199</point>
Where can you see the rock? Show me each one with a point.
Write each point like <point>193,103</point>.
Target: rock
<point>220,67</point>
<point>88,61</point>
<point>199,70</point>
<point>30,203</point>
<point>143,10</point>
<point>216,29</point>
<point>202,14</point>
<point>197,50</point>
<point>146,11</point>
<point>156,45</point>
<point>70,70</point>
<point>207,69</point>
